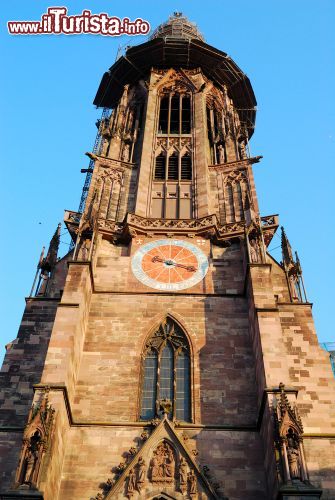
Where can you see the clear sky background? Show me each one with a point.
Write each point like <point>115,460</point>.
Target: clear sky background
<point>47,86</point>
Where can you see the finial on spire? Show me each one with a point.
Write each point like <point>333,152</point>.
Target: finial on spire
<point>293,270</point>
<point>286,249</point>
<point>46,264</point>
<point>51,258</point>
<point>178,27</point>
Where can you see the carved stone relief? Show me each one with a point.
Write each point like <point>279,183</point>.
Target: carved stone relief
<point>162,466</point>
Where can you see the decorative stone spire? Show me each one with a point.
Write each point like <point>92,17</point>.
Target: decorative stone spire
<point>50,260</point>
<point>286,250</point>
<point>178,26</point>
<point>47,264</point>
<point>293,270</point>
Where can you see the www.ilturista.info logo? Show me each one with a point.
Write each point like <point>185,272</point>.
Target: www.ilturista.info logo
<point>57,22</point>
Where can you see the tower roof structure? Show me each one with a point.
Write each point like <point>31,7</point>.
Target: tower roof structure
<point>177,26</point>
<point>178,43</point>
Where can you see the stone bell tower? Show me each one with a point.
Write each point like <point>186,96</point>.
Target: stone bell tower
<point>168,355</point>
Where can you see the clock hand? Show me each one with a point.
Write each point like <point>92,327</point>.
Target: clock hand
<point>170,262</point>
<point>188,268</point>
<point>157,259</point>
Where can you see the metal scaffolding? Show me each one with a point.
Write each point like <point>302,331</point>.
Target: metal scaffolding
<point>106,112</point>
<point>330,347</point>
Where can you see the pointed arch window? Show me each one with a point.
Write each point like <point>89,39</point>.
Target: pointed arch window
<point>175,114</point>
<point>166,373</point>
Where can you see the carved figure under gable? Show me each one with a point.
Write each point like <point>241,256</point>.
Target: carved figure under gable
<point>289,440</point>
<point>36,439</point>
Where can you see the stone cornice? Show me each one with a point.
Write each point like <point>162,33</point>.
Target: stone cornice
<point>235,165</point>
<point>111,162</point>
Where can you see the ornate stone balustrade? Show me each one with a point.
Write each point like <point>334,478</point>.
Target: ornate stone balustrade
<point>207,227</point>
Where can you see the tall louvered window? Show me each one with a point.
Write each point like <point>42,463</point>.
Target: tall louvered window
<point>166,373</point>
<point>172,188</point>
<point>173,167</point>
<point>186,168</point>
<point>160,167</point>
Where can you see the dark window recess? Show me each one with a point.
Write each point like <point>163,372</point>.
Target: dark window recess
<point>209,125</point>
<point>174,122</point>
<point>140,116</point>
<point>173,168</point>
<point>216,128</point>
<point>186,168</point>
<point>240,199</point>
<point>160,167</point>
<point>163,116</point>
<point>186,116</point>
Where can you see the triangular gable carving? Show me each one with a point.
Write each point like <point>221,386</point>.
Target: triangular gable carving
<point>287,416</point>
<point>175,78</point>
<point>163,468</point>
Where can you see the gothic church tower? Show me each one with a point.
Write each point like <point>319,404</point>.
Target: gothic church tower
<point>168,355</point>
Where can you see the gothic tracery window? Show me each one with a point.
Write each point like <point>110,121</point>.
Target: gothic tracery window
<point>172,187</point>
<point>166,372</point>
<point>174,114</point>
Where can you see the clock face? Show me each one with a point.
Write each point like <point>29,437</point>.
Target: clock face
<point>169,264</point>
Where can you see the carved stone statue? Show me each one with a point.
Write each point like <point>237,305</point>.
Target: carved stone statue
<point>131,485</point>
<point>183,474</point>
<point>221,154</point>
<point>31,461</point>
<point>242,150</point>
<point>163,463</point>
<point>85,249</point>
<point>126,152</point>
<point>293,287</point>
<point>192,481</point>
<point>43,283</point>
<point>255,255</point>
<point>141,473</point>
<point>293,455</point>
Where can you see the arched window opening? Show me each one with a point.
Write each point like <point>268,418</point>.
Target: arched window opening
<point>186,167</point>
<point>174,114</point>
<point>167,373</point>
<point>239,201</point>
<point>230,200</point>
<point>172,186</point>
<point>173,167</point>
<point>186,115</point>
<point>160,167</point>
<point>164,115</point>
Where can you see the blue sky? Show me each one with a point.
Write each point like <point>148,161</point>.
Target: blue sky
<point>48,122</point>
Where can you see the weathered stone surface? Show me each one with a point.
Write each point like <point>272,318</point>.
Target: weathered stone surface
<point>246,330</point>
